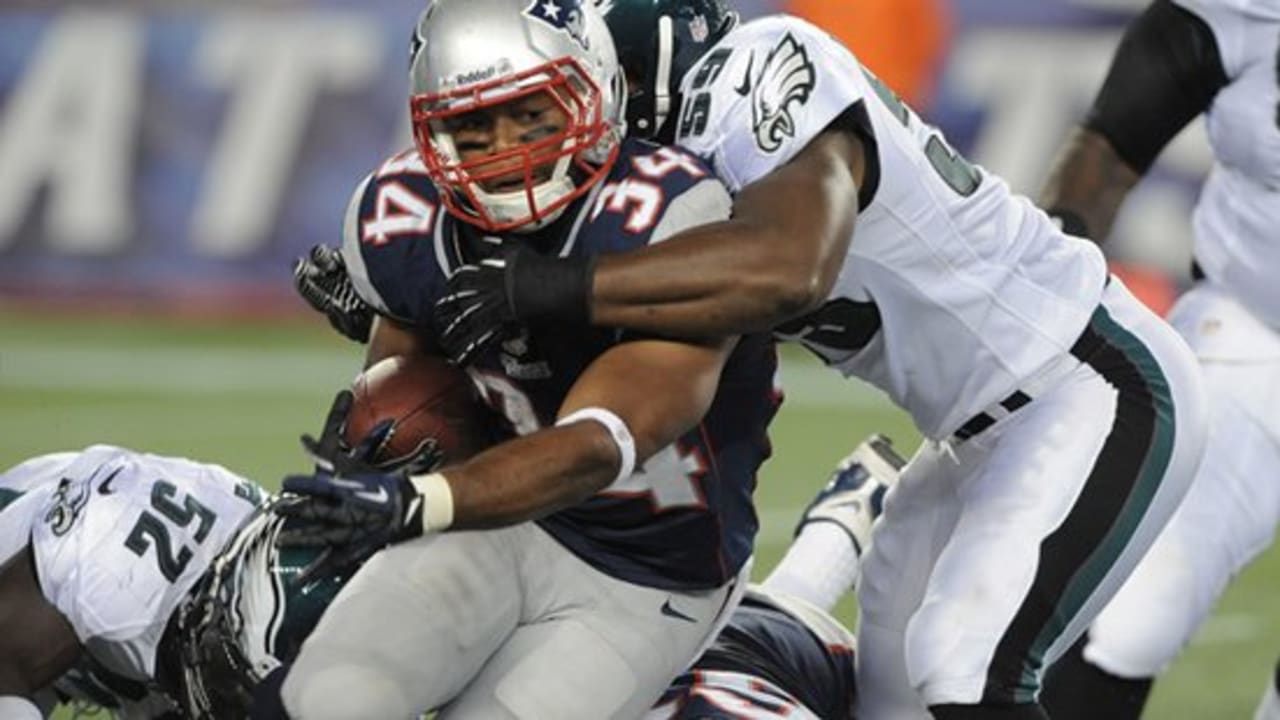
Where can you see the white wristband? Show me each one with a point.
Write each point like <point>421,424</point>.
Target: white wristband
<point>437,501</point>
<point>13,707</point>
<point>618,430</point>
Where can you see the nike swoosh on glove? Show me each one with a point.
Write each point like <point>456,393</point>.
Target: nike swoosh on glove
<point>365,512</point>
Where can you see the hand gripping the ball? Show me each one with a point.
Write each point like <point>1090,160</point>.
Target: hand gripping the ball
<point>332,453</point>
<point>356,502</point>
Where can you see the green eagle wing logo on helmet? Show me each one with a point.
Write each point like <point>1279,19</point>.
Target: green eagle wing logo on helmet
<point>786,82</point>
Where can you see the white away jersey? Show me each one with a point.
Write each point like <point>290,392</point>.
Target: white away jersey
<point>954,290</point>
<point>119,539</point>
<point>1237,220</point>
<point>24,489</point>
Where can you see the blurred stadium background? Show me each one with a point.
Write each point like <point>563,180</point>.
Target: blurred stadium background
<point>162,163</point>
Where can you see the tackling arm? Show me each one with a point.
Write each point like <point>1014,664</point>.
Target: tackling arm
<point>776,258</point>
<point>658,389</point>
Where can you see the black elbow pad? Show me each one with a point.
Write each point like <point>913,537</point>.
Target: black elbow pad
<point>1166,71</point>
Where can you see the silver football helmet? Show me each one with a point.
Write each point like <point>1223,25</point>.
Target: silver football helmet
<point>472,55</point>
<point>249,614</point>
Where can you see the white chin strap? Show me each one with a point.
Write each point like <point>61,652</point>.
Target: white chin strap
<point>508,206</point>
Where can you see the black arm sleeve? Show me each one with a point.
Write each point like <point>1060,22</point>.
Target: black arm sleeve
<point>1166,71</point>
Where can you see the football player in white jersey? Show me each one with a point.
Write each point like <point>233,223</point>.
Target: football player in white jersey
<point>152,587</point>
<point>98,551</point>
<point>1064,420</point>
<point>1180,59</point>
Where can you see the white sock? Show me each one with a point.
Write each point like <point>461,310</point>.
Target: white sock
<point>820,566</point>
<point>13,707</point>
<point>1269,708</point>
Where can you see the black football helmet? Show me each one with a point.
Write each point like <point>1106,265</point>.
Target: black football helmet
<point>657,42</point>
<point>249,614</point>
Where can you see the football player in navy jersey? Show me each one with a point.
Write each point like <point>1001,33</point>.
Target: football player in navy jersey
<point>781,655</point>
<point>195,634</point>
<point>1180,59</point>
<point>1064,420</point>
<point>606,540</point>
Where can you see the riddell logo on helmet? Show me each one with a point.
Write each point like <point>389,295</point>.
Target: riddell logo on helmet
<point>502,67</point>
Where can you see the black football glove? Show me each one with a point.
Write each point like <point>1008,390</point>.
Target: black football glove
<point>489,301</point>
<point>332,454</point>
<point>350,516</point>
<point>322,280</point>
<point>355,503</point>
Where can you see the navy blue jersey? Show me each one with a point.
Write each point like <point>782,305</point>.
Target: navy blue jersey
<point>684,519</point>
<point>778,657</point>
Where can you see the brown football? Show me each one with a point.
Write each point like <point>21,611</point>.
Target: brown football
<point>425,397</point>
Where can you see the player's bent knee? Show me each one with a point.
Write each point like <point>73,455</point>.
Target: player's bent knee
<point>942,667</point>
<point>344,689</point>
<point>1131,660</point>
<point>1129,647</point>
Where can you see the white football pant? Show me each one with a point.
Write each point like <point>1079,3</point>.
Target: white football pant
<point>995,553</point>
<point>1229,516</point>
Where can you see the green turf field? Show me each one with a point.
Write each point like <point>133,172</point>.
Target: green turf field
<point>240,394</point>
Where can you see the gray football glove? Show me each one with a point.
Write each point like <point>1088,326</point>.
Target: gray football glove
<point>322,280</point>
